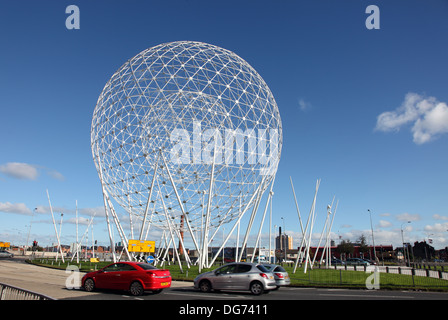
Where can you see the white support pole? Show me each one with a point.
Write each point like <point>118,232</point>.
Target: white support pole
<point>149,198</point>
<point>312,212</point>
<point>168,221</point>
<point>187,257</point>
<point>180,202</point>
<point>237,240</point>
<point>60,233</point>
<point>236,224</point>
<point>79,244</point>
<point>259,194</point>
<point>121,232</point>
<point>300,254</point>
<point>109,229</point>
<point>167,248</point>
<point>93,243</point>
<point>328,236</point>
<point>262,220</point>
<point>159,246</point>
<point>320,240</point>
<point>324,251</point>
<point>77,239</point>
<point>204,253</point>
<point>304,232</point>
<point>270,231</point>
<point>54,224</point>
<point>218,227</point>
<point>160,250</point>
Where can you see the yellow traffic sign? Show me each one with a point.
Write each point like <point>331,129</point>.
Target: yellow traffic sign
<point>141,246</point>
<point>5,244</point>
<point>94,259</point>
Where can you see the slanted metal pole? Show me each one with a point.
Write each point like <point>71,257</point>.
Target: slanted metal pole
<point>77,239</point>
<point>262,220</point>
<point>78,245</point>
<point>54,224</point>
<point>121,232</point>
<point>236,224</point>
<point>303,242</point>
<point>324,230</point>
<point>168,220</point>
<point>149,197</point>
<point>328,236</point>
<point>111,240</point>
<point>252,217</point>
<point>300,254</point>
<point>180,202</point>
<point>312,212</point>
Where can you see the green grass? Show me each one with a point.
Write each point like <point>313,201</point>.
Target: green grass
<point>84,266</point>
<point>313,278</point>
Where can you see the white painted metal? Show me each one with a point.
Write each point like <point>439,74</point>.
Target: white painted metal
<point>195,87</point>
<point>312,212</point>
<point>55,229</point>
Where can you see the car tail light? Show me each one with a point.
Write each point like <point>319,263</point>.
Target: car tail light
<point>279,275</point>
<point>264,275</point>
<point>151,274</point>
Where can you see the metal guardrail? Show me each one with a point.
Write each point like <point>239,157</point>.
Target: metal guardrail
<point>8,292</point>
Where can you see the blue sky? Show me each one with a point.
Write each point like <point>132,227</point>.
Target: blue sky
<point>363,110</point>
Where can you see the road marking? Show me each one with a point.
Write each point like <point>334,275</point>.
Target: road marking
<point>214,296</point>
<point>367,296</point>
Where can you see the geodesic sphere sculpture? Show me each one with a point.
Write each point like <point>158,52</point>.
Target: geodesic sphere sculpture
<point>182,113</point>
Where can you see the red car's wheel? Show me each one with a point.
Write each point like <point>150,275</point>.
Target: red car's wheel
<point>136,288</point>
<point>89,285</point>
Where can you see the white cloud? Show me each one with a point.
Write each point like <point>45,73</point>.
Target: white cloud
<point>26,171</point>
<point>439,217</point>
<point>20,170</point>
<point>303,105</point>
<point>408,217</point>
<point>81,221</point>
<point>384,224</point>
<point>56,175</point>
<point>429,117</point>
<point>18,208</point>
<point>438,227</point>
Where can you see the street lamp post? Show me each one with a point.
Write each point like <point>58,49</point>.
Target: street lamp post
<point>402,240</point>
<point>373,238</point>
<point>29,231</point>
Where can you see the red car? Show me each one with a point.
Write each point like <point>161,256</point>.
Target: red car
<point>135,277</point>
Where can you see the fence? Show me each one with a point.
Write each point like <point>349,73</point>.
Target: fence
<point>387,277</point>
<point>8,292</point>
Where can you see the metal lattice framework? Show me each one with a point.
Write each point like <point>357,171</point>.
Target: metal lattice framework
<point>186,131</point>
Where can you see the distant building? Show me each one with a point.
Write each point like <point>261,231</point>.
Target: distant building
<point>283,241</point>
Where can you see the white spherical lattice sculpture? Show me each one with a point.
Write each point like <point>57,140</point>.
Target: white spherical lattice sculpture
<point>192,104</point>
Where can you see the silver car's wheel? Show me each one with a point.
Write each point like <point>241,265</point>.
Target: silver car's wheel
<point>205,286</point>
<point>136,288</point>
<point>256,288</point>
<point>89,285</point>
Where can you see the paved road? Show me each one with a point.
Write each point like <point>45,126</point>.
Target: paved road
<point>52,282</point>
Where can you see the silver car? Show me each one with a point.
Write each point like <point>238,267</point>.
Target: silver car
<point>237,276</point>
<point>6,254</point>
<point>281,275</point>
